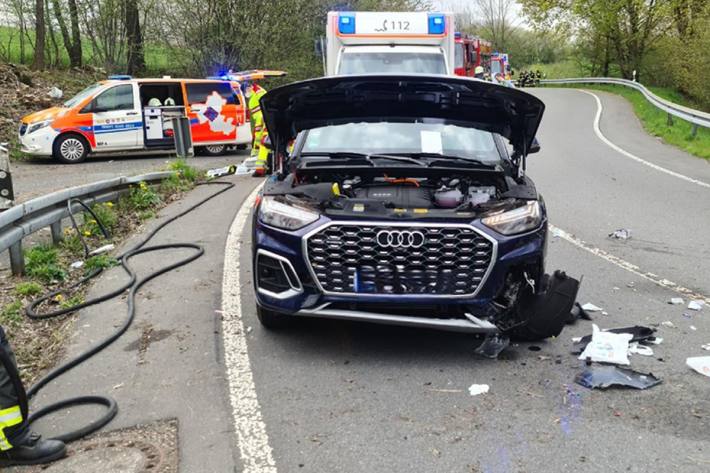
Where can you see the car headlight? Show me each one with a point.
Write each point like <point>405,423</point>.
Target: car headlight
<point>288,216</point>
<point>518,220</point>
<point>37,126</point>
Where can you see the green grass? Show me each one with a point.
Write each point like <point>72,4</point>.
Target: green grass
<point>142,197</point>
<point>99,262</point>
<point>655,121</point>
<point>41,263</point>
<point>11,314</point>
<point>558,70</point>
<point>29,288</point>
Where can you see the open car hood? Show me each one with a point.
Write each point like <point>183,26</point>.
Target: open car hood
<point>473,103</point>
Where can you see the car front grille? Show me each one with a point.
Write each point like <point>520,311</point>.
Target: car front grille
<point>385,259</point>
<point>23,129</point>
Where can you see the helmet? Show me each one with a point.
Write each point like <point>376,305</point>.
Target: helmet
<point>478,70</point>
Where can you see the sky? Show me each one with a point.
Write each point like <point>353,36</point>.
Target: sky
<point>460,5</point>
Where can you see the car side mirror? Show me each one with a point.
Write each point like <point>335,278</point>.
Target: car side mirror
<point>534,146</point>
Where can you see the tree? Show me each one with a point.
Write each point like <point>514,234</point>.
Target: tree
<point>496,22</point>
<point>135,62</point>
<point>38,62</point>
<point>72,42</point>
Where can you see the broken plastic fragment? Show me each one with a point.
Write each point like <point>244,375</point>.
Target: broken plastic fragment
<point>589,307</point>
<point>604,376</point>
<point>638,332</point>
<point>492,346</point>
<point>668,324</point>
<point>621,234</point>
<point>676,301</point>
<point>77,264</point>
<point>701,364</point>
<point>476,389</point>
<point>102,249</point>
<point>706,347</point>
<point>696,305</point>
<point>636,349</point>
<point>607,347</point>
<point>242,169</point>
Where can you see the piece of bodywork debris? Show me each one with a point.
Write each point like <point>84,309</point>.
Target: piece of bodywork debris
<point>589,307</point>
<point>696,305</point>
<point>621,234</point>
<point>676,301</point>
<point>706,347</point>
<point>636,349</point>
<point>604,376</point>
<point>639,334</point>
<point>701,364</point>
<point>476,389</point>
<point>492,345</point>
<point>577,313</point>
<point>668,324</point>
<point>607,347</point>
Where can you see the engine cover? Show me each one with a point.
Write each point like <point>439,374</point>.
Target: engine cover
<point>401,196</point>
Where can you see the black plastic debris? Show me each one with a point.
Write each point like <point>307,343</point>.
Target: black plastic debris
<point>604,376</point>
<point>640,334</point>
<point>578,313</point>
<point>492,346</point>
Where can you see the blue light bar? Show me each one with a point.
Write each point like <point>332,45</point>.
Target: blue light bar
<point>120,77</point>
<point>437,23</point>
<point>346,23</point>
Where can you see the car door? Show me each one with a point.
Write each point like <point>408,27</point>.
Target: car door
<point>212,109</point>
<point>117,122</point>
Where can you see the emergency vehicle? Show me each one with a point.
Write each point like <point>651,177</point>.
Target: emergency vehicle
<point>123,114</point>
<point>469,53</point>
<point>500,64</point>
<point>396,42</point>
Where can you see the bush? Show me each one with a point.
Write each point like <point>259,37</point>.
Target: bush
<point>11,314</point>
<point>41,263</point>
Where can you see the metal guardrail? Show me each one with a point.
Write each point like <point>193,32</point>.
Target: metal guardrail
<point>49,210</point>
<point>696,117</point>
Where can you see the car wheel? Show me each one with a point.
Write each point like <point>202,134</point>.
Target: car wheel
<point>213,150</point>
<point>272,320</point>
<point>242,147</point>
<point>70,149</point>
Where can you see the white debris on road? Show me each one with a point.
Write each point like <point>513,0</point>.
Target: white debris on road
<point>621,234</point>
<point>589,307</point>
<point>676,301</point>
<point>696,305</point>
<point>476,389</point>
<point>636,349</point>
<point>701,364</point>
<point>607,347</point>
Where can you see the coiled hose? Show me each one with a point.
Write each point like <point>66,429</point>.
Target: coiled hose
<point>133,285</point>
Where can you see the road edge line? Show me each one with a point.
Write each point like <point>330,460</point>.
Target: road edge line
<point>630,267</point>
<point>249,426</point>
<point>608,142</point>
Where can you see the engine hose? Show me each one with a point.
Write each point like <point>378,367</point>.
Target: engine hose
<point>134,284</point>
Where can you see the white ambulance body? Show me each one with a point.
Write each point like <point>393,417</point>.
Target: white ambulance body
<point>389,42</point>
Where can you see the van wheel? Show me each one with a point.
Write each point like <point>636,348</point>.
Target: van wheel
<point>213,150</point>
<point>70,149</point>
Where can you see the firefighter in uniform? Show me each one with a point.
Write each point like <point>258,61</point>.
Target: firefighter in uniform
<point>260,152</point>
<point>19,445</point>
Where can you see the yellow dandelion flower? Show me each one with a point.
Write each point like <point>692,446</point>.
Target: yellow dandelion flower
<point>87,233</point>
<point>59,298</point>
<point>109,204</point>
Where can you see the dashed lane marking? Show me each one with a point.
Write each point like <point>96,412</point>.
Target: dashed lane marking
<point>632,268</point>
<point>252,439</point>
<point>608,142</point>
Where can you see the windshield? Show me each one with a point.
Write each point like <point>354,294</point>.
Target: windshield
<point>403,138</point>
<point>458,55</point>
<point>82,95</point>
<point>399,63</point>
<point>495,68</point>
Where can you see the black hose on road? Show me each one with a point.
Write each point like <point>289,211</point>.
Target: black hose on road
<point>134,284</point>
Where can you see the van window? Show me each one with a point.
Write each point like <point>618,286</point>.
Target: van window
<point>198,92</point>
<point>116,98</point>
<point>168,93</point>
<point>78,98</point>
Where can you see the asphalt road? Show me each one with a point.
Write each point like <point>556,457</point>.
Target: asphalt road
<point>341,397</point>
<point>36,176</point>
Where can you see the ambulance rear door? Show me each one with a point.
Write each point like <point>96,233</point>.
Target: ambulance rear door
<point>117,122</point>
<point>212,109</point>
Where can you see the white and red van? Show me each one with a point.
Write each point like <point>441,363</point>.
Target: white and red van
<point>123,114</point>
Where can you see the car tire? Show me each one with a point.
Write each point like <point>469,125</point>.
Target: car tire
<point>242,147</point>
<point>70,149</point>
<point>213,150</point>
<point>272,320</point>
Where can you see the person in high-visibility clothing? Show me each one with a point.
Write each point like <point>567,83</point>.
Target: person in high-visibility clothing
<point>255,92</point>
<point>18,444</point>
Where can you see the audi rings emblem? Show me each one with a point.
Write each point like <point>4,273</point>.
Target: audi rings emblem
<point>400,239</point>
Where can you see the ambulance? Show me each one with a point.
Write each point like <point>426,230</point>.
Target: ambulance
<point>129,115</point>
<point>389,42</point>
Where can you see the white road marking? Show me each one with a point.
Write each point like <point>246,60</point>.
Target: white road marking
<point>252,439</point>
<point>599,134</point>
<point>632,268</point>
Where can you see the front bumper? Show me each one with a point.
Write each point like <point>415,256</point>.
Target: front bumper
<point>38,143</point>
<point>469,313</point>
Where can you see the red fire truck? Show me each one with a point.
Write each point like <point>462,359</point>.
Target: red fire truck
<point>469,53</point>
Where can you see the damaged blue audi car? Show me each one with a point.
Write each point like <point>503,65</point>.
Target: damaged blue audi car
<point>404,200</point>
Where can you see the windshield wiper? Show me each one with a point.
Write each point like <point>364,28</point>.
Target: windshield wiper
<point>440,158</point>
<point>367,157</point>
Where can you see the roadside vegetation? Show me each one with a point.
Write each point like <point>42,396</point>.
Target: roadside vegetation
<point>38,344</point>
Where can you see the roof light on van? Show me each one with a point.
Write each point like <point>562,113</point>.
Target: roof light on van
<point>437,23</point>
<point>346,23</point>
<point>120,77</point>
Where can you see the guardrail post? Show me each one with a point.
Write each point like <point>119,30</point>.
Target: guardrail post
<point>57,235</point>
<point>17,259</point>
<point>669,122</point>
<point>694,130</point>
